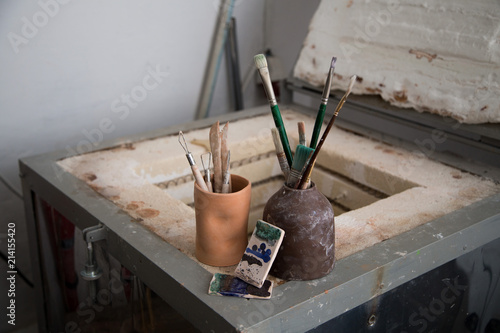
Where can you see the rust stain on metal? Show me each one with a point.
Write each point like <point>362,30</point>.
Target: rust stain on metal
<point>378,286</point>
<point>349,3</point>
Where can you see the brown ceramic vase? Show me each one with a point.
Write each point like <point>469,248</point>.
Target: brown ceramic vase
<point>308,249</point>
<point>221,223</point>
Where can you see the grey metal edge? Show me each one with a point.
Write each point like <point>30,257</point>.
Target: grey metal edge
<point>295,306</point>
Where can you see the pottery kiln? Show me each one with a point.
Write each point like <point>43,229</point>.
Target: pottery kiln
<point>414,217</point>
<point>378,191</point>
<point>397,211</point>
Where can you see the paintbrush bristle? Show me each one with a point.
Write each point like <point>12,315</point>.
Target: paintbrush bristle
<point>300,158</point>
<point>302,132</point>
<point>277,140</point>
<point>351,84</point>
<point>334,60</point>
<point>260,61</point>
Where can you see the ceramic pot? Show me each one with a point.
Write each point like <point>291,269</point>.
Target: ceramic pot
<point>308,249</point>
<point>221,223</point>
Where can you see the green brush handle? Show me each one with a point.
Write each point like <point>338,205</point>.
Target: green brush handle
<point>317,126</point>
<point>278,121</point>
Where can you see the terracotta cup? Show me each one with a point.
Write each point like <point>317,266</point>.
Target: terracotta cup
<point>221,223</point>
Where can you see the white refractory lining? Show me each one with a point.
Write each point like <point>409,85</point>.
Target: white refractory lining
<point>437,56</point>
<point>418,189</point>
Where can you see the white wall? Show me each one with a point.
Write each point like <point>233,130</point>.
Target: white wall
<point>72,72</point>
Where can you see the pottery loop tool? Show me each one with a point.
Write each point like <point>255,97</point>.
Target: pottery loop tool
<point>322,106</point>
<point>196,172</point>
<point>303,184</point>
<point>280,154</point>
<point>207,170</point>
<point>261,63</point>
<point>226,176</point>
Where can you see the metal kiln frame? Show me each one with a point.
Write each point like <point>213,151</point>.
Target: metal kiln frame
<point>295,306</point>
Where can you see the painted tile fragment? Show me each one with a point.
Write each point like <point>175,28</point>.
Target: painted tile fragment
<point>260,253</point>
<point>228,285</point>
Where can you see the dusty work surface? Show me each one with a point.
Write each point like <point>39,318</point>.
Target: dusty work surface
<point>377,191</point>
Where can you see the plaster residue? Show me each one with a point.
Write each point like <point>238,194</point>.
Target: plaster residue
<point>416,189</point>
<point>434,56</point>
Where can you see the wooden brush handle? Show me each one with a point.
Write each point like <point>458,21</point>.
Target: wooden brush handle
<point>215,146</point>
<point>317,126</point>
<point>283,164</point>
<point>224,150</point>
<point>302,132</point>
<point>198,177</point>
<point>278,122</point>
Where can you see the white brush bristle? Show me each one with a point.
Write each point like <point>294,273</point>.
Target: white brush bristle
<point>260,61</point>
<point>351,84</point>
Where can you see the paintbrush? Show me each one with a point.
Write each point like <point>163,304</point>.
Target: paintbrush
<point>196,172</point>
<point>261,63</point>
<point>310,165</point>
<point>322,106</point>
<point>207,171</point>
<point>297,183</point>
<point>302,133</point>
<point>280,154</point>
<point>225,179</point>
<point>299,160</point>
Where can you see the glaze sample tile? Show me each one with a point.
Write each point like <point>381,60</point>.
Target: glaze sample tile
<point>260,253</point>
<point>228,285</point>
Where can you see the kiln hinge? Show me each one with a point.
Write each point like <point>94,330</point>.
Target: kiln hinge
<point>92,272</point>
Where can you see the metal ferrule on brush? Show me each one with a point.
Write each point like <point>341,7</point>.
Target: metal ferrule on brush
<point>268,86</point>
<point>293,177</point>
<point>326,89</point>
